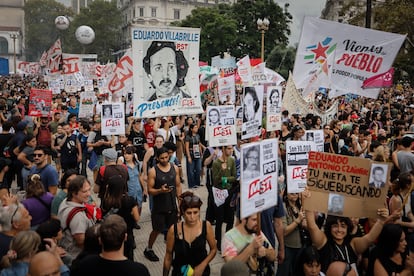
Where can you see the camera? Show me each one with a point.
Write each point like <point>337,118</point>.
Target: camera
<point>171,187</point>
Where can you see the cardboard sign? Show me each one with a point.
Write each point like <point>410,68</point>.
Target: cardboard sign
<point>258,184</point>
<point>340,185</point>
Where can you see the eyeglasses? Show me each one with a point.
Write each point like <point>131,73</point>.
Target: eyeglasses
<point>191,199</point>
<point>38,154</point>
<point>327,128</point>
<point>14,213</point>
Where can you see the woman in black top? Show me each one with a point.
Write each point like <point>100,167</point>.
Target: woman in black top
<point>117,201</point>
<point>390,254</point>
<point>186,240</point>
<point>336,243</point>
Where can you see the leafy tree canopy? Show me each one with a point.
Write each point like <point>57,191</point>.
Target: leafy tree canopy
<point>105,19</point>
<point>233,28</point>
<point>41,32</point>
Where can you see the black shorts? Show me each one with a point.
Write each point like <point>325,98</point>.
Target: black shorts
<point>163,221</point>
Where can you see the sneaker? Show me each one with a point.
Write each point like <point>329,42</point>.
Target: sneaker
<point>136,226</point>
<point>150,255</point>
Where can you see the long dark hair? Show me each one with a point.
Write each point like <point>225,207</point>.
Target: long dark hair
<point>289,209</point>
<point>389,240</point>
<point>115,191</point>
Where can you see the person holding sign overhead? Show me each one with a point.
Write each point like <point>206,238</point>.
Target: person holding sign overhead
<point>335,243</point>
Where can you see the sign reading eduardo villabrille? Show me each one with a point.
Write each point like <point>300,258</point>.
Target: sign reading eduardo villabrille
<point>340,185</point>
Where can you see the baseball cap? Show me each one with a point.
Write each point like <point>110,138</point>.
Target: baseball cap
<point>110,154</point>
<point>21,125</point>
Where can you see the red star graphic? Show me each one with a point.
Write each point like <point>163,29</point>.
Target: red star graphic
<point>320,51</point>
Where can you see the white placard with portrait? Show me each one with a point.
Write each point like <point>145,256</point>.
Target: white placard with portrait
<point>252,111</point>
<point>258,183</point>
<point>273,108</point>
<point>165,62</point>
<point>221,129</point>
<point>113,119</point>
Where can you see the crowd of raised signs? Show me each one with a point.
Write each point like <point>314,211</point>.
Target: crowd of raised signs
<point>65,146</point>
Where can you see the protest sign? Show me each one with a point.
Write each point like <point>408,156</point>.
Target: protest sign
<point>87,103</point>
<point>346,54</point>
<point>252,111</point>
<point>221,129</point>
<point>340,185</point>
<point>258,184</point>
<point>165,62</point>
<point>317,137</point>
<point>297,164</point>
<point>239,118</point>
<point>274,108</point>
<point>113,119</point>
<point>40,102</point>
<point>226,89</point>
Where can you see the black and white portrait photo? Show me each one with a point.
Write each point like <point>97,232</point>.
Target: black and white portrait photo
<point>378,176</point>
<point>166,69</point>
<point>335,204</point>
<point>251,162</point>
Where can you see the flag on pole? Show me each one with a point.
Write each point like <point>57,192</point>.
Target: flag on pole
<point>381,80</point>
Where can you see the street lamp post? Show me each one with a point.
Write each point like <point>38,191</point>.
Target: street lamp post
<point>14,37</point>
<point>262,26</point>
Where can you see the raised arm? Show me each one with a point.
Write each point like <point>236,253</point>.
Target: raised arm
<point>317,235</point>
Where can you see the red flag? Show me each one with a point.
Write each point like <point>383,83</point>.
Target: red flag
<point>381,80</point>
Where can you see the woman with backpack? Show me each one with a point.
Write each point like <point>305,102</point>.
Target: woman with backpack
<point>117,201</point>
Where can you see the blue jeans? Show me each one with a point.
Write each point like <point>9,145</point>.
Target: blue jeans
<point>194,172</point>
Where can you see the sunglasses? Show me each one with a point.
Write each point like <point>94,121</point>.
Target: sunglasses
<point>191,199</point>
<point>14,214</point>
<point>38,154</point>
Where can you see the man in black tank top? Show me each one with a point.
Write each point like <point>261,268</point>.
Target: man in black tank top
<point>164,185</point>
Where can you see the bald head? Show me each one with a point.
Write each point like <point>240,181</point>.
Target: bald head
<point>44,263</point>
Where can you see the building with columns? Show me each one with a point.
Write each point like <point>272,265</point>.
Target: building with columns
<point>11,31</point>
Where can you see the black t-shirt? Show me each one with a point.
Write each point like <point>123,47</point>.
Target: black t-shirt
<point>138,140</point>
<point>96,265</point>
<point>4,140</point>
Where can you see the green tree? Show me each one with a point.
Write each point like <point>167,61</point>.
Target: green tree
<point>248,40</point>
<point>218,30</point>
<point>281,59</point>
<point>105,19</point>
<point>394,16</point>
<point>40,27</point>
<point>397,16</point>
<point>234,29</point>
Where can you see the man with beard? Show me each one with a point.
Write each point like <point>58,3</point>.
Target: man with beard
<point>241,243</point>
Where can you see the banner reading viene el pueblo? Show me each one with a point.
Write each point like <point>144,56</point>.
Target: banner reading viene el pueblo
<point>343,186</point>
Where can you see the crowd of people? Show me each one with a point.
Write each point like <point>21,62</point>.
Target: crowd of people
<point>52,210</point>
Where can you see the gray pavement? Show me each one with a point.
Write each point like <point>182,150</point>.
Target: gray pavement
<point>141,239</point>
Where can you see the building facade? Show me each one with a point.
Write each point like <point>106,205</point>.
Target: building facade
<point>11,31</point>
<point>157,12</point>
